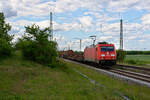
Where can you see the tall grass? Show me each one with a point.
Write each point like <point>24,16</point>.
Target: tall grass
<point>143,60</point>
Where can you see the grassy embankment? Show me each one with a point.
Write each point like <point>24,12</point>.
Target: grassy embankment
<point>26,80</point>
<point>141,60</point>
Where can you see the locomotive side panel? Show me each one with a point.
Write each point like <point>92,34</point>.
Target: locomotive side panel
<point>90,54</point>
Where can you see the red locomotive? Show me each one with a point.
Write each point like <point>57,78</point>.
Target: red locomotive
<point>102,54</point>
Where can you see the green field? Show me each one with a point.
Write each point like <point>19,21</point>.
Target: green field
<point>139,57</point>
<point>25,80</point>
<point>138,60</point>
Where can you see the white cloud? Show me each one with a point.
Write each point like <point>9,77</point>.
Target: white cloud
<point>7,8</point>
<point>101,11</point>
<point>112,29</point>
<point>142,41</point>
<point>86,21</point>
<point>146,19</point>
<point>38,8</point>
<point>121,5</point>
<point>104,38</point>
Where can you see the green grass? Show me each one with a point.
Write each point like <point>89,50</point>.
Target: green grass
<point>25,80</point>
<point>143,60</point>
<point>139,57</point>
<point>133,91</point>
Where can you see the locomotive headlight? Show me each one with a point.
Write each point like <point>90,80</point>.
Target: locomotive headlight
<point>112,55</point>
<point>102,55</point>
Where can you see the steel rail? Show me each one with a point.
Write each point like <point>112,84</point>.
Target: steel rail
<point>138,76</point>
<point>133,67</point>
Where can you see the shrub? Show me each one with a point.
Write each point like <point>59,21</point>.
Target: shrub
<point>121,55</point>
<point>37,47</point>
<point>131,61</point>
<point>138,52</point>
<point>135,62</point>
<point>6,48</point>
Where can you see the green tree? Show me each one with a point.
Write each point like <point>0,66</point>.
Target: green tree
<point>5,39</point>
<point>36,46</point>
<point>121,55</point>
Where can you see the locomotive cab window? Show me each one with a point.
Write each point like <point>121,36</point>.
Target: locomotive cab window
<point>107,48</point>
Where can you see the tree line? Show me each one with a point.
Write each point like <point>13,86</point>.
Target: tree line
<point>138,52</point>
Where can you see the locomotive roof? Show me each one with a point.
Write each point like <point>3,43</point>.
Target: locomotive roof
<point>105,44</point>
<point>93,46</point>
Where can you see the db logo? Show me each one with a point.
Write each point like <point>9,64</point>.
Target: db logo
<point>107,53</point>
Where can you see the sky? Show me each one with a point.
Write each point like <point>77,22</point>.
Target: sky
<point>79,19</point>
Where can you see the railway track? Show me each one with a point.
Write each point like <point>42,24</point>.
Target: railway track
<point>133,67</point>
<point>135,75</point>
<point>142,70</point>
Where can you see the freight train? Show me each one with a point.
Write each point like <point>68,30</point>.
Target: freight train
<point>101,54</point>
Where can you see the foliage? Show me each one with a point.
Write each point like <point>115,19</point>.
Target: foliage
<point>5,39</point>
<point>5,48</point>
<point>138,52</point>
<point>78,52</point>
<point>121,55</point>
<point>36,46</point>
<point>131,61</point>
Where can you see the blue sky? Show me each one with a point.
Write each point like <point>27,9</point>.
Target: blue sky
<point>83,18</point>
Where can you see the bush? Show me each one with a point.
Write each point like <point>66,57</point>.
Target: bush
<point>121,55</point>
<point>37,47</point>
<point>135,62</point>
<point>138,52</point>
<point>6,48</point>
<point>131,61</point>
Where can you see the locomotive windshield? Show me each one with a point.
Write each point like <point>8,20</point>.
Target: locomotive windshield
<point>107,48</point>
